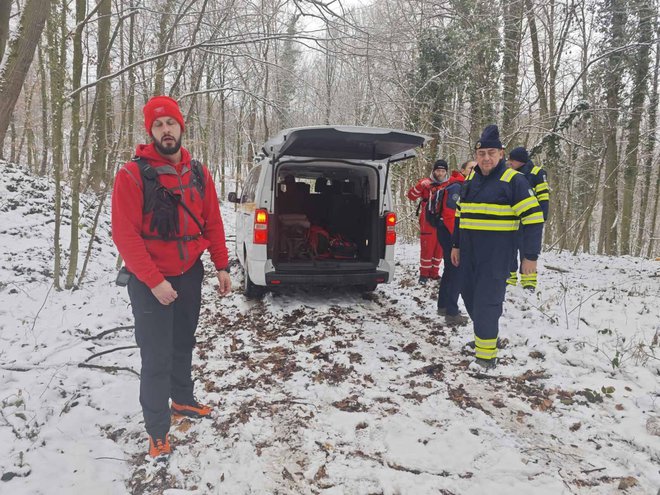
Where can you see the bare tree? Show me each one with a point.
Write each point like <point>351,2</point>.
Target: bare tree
<point>15,67</point>
<point>5,13</point>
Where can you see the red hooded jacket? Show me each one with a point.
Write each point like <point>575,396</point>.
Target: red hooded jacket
<point>151,260</point>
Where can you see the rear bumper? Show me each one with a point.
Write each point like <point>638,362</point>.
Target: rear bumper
<point>277,279</point>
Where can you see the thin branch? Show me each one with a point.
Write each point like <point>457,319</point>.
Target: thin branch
<point>109,369</point>
<point>34,322</point>
<point>207,43</point>
<point>106,332</point>
<point>109,351</point>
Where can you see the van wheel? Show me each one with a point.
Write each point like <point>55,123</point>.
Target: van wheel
<point>367,287</point>
<point>251,290</point>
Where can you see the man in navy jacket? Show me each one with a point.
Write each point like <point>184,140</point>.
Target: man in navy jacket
<point>494,202</point>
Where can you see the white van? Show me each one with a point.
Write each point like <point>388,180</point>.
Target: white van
<point>316,209</point>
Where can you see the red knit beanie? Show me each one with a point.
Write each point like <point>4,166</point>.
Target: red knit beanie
<point>161,106</point>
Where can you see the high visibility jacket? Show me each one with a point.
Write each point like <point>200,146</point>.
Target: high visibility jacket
<point>500,202</point>
<point>538,179</point>
<point>149,258</point>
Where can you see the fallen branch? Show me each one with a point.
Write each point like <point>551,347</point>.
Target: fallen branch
<point>16,368</point>
<point>106,332</point>
<point>109,369</point>
<point>557,269</point>
<point>109,351</point>
<point>587,471</point>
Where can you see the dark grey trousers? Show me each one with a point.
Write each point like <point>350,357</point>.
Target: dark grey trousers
<point>166,337</point>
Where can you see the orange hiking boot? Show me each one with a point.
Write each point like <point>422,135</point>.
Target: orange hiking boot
<point>159,448</point>
<point>194,410</point>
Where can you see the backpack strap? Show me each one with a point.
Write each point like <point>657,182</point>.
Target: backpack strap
<point>150,183</point>
<point>198,176</point>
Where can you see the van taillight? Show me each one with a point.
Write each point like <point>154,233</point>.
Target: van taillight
<point>261,227</point>
<point>390,225</point>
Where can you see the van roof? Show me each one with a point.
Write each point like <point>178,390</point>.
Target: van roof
<point>344,142</point>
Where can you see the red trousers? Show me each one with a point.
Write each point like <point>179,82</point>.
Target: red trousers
<point>431,250</point>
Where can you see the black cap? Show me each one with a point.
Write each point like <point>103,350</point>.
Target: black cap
<point>440,164</point>
<point>519,154</point>
<point>490,138</point>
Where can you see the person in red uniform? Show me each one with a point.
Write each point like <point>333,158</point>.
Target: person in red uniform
<point>430,249</point>
<point>163,219</point>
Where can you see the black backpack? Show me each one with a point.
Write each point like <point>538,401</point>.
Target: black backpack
<point>164,204</point>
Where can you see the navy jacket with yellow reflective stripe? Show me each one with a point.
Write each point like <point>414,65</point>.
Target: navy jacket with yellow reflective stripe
<point>538,179</point>
<point>501,201</point>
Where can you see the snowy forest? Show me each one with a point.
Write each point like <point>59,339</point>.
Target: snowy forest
<point>334,391</point>
<point>576,82</point>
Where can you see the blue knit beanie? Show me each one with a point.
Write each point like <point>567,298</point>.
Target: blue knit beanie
<point>519,154</point>
<point>490,138</point>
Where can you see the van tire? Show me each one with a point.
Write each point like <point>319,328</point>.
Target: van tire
<point>250,290</point>
<point>367,287</point>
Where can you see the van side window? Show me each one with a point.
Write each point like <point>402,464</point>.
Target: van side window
<point>250,187</point>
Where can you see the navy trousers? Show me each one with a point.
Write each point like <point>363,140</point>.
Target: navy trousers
<point>166,337</point>
<point>450,284</point>
<point>484,268</point>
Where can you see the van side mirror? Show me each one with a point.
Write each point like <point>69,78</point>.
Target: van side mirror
<point>232,197</point>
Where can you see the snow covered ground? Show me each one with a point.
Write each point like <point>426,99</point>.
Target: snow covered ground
<point>328,391</point>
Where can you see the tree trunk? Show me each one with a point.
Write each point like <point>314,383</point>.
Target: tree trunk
<point>536,59</point>
<point>5,13</point>
<point>57,65</point>
<point>102,115</point>
<point>45,104</point>
<point>641,72</point>
<point>649,153</point>
<point>164,36</point>
<point>75,168</point>
<point>19,58</point>
<point>614,72</point>
<point>513,15</point>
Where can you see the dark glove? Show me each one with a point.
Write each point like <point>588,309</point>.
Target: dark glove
<point>165,217</point>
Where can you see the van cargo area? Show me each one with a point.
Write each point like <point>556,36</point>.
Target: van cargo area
<point>326,220</point>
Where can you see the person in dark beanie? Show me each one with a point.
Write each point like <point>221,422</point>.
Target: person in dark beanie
<point>430,249</point>
<point>538,180</point>
<point>494,202</point>
<point>165,214</point>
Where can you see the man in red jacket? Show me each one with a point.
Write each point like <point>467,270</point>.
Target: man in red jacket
<point>430,250</point>
<point>165,214</point>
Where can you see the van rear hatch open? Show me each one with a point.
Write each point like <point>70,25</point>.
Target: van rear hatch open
<point>345,142</point>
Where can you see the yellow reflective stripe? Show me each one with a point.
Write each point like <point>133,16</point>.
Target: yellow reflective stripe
<point>536,170</point>
<point>536,217</point>
<point>522,206</point>
<point>458,213</point>
<point>487,209</point>
<point>469,177</point>
<point>494,225</point>
<point>486,343</point>
<point>543,197</point>
<point>485,354</point>
<point>508,175</point>
<point>528,276</point>
<point>541,186</point>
